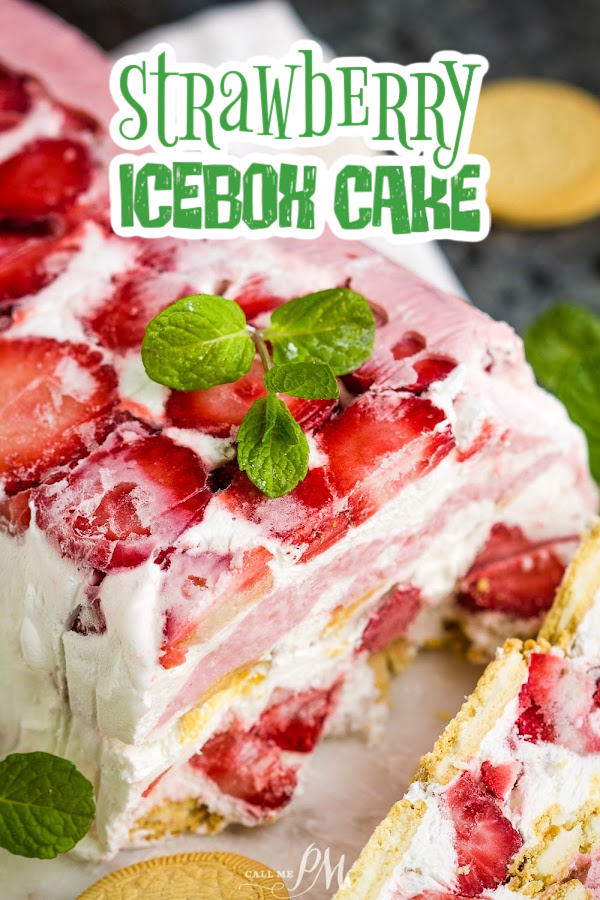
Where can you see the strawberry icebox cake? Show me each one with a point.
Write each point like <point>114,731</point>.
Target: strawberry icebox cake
<point>182,638</point>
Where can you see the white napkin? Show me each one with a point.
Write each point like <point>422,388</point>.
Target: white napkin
<point>236,32</point>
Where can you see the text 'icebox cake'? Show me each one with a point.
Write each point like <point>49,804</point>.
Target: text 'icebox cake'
<point>180,637</point>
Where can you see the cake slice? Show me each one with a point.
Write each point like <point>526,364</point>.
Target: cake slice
<point>180,637</point>
<point>508,802</point>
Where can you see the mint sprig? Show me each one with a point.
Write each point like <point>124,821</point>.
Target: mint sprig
<point>563,347</point>
<point>198,342</point>
<point>272,448</point>
<point>336,327</point>
<point>46,805</point>
<point>203,340</point>
<point>560,336</point>
<point>310,380</point>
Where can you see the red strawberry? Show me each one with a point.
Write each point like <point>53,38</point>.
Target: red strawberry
<point>134,495</point>
<point>222,407</point>
<point>391,619</point>
<point>512,574</point>
<point>485,840</point>
<point>409,344</point>
<point>185,581</point>
<point>57,402</point>
<point>173,651</point>
<point>14,99</point>
<point>537,697</point>
<point>120,323</point>
<point>15,514</point>
<point>153,784</point>
<point>429,370</point>
<point>295,722</point>
<point>219,408</point>
<point>44,178</point>
<point>254,298</point>
<point>243,765</point>
<point>388,426</point>
<point>499,780</point>
<point>28,263</point>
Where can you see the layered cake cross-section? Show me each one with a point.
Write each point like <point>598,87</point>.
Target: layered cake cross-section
<point>182,638</point>
<point>508,803</point>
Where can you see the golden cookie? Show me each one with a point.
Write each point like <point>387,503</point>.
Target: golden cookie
<point>191,876</point>
<point>542,140</point>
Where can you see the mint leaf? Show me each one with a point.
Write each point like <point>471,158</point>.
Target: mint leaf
<point>46,805</point>
<point>272,448</point>
<point>310,380</point>
<point>560,335</point>
<point>198,342</point>
<point>336,327</point>
<point>594,454</point>
<point>579,390</point>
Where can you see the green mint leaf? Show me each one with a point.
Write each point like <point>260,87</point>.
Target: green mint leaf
<point>336,327</point>
<point>272,448</point>
<point>579,390</point>
<point>198,342</point>
<point>560,335</point>
<point>594,454</point>
<point>310,380</point>
<point>46,805</point>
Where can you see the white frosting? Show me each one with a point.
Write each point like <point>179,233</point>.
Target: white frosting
<point>85,281</point>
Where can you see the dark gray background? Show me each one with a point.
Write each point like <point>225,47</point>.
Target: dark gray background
<point>511,274</point>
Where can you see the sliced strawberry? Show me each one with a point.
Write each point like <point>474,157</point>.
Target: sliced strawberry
<point>392,618</point>
<point>44,178</point>
<point>28,263</point>
<point>409,344</point>
<point>14,99</point>
<point>295,722</point>
<point>15,514</point>
<point>537,696</point>
<point>134,495</point>
<point>187,578</point>
<point>153,784</point>
<point>255,298</point>
<point>244,766</point>
<point>429,370</point>
<point>120,323</point>
<point>220,408</point>
<point>500,779</point>
<point>512,574</point>
<point>401,433</point>
<point>485,840</point>
<point>309,515</point>
<point>58,400</point>
<point>173,651</point>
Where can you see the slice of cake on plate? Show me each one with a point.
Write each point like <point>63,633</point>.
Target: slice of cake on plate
<point>180,637</point>
<point>508,803</point>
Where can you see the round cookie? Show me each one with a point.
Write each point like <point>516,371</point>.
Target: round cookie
<point>542,140</point>
<point>191,876</point>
